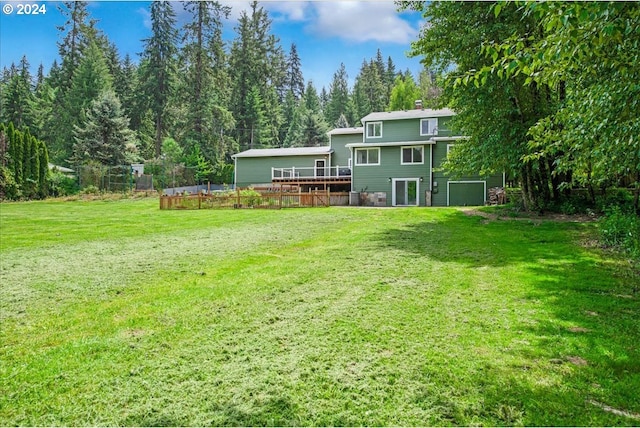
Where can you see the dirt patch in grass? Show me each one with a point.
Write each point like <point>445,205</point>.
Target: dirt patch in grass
<point>574,218</point>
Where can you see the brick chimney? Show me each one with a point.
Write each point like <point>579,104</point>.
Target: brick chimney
<point>418,104</point>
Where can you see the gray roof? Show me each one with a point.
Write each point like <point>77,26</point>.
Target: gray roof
<point>290,151</point>
<point>407,114</point>
<point>345,131</point>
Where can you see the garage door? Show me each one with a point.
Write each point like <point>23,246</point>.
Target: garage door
<point>466,194</point>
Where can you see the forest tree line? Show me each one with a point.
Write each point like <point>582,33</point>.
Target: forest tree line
<point>190,95</point>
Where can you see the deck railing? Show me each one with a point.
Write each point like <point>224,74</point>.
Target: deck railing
<point>318,173</point>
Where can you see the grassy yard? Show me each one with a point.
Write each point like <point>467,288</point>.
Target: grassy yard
<point>116,313</point>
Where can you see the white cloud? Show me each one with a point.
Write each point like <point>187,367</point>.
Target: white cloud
<point>280,10</point>
<point>146,17</point>
<point>360,21</point>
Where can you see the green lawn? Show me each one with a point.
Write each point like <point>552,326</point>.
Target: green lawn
<point>116,313</point>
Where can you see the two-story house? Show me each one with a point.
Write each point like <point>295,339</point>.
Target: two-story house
<point>394,159</point>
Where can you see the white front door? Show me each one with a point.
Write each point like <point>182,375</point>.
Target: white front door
<point>405,192</point>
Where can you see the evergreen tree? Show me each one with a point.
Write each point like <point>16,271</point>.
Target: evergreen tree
<point>369,90</point>
<point>159,70</point>
<point>311,99</point>
<point>125,85</point>
<point>295,80</point>
<point>338,104</point>
<point>314,130</point>
<point>202,38</point>
<point>17,95</point>
<point>258,63</point>
<point>76,37</point>
<point>342,122</point>
<point>289,108</point>
<point>255,118</point>
<point>104,135</point>
<point>90,80</point>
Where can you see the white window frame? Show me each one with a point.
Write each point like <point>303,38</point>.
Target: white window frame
<point>433,126</point>
<point>402,162</point>
<point>366,148</point>
<point>373,124</point>
<point>393,191</point>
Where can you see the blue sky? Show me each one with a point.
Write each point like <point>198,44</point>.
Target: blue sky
<point>325,32</point>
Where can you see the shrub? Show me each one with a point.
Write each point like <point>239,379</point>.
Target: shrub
<point>62,185</point>
<point>621,230</point>
<point>90,190</point>
<point>9,189</point>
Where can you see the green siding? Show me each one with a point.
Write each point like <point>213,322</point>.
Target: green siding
<point>258,170</point>
<point>375,178</point>
<point>341,154</point>
<point>407,130</point>
<point>439,197</point>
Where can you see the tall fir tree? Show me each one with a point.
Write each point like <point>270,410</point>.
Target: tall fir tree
<point>338,103</point>
<point>90,80</point>
<point>295,80</point>
<point>17,95</point>
<point>259,63</point>
<point>202,57</point>
<point>159,69</point>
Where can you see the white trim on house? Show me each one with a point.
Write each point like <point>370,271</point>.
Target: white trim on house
<point>289,151</point>
<point>407,114</point>
<point>391,144</point>
<point>373,129</point>
<point>393,191</point>
<point>421,147</point>
<point>366,164</point>
<point>484,196</point>
<point>346,131</point>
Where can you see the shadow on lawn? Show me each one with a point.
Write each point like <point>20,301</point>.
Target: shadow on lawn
<point>587,331</point>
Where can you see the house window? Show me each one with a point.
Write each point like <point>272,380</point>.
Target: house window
<point>368,156</point>
<point>374,129</point>
<point>428,126</point>
<point>412,155</point>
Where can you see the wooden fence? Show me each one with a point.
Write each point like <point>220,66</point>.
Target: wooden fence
<point>240,199</point>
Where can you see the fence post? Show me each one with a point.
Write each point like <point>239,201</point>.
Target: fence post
<point>238,198</point>
<point>280,204</point>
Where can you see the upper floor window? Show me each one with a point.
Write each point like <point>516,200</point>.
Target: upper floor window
<point>374,129</point>
<point>412,155</point>
<point>368,156</point>
<point>428,126</point>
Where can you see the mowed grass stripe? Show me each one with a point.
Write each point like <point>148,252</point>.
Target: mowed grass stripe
<point>326,317</point>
